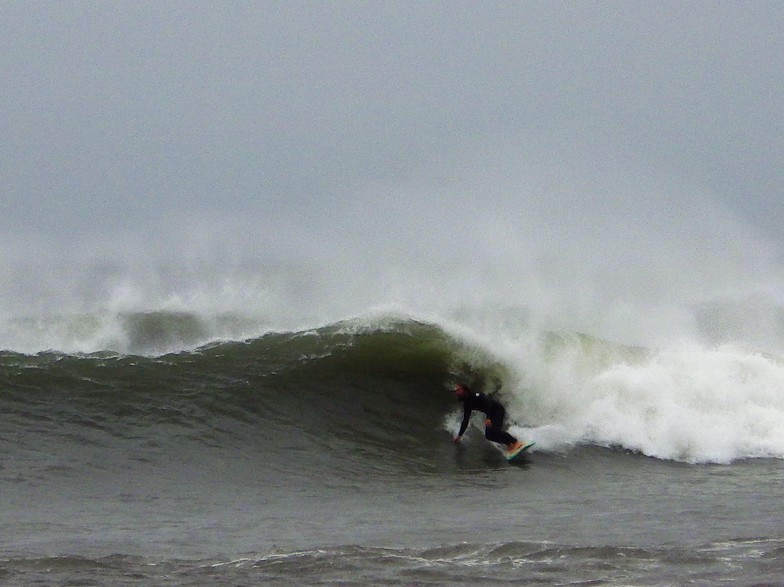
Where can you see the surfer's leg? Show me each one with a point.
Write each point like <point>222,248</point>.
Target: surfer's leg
<point>494,434</point>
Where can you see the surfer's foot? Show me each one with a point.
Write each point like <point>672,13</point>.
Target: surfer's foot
<point>513,447</point>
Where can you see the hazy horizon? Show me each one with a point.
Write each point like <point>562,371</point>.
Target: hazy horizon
<point>616,162</point>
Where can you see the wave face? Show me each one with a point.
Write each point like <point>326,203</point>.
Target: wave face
<point>357,386</point>
<point>317,394</point>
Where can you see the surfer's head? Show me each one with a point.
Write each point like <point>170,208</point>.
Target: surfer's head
<point>461,390</point>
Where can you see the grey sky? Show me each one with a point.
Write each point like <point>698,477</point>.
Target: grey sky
<point>275,128</point>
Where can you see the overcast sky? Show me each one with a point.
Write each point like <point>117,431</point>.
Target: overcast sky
<point>274,129</point>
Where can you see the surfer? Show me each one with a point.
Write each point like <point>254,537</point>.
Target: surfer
<point>494,417</point>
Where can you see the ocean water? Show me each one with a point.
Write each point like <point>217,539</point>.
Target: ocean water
<point>167,448</point>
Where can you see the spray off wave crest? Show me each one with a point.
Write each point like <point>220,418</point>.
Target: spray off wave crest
<point>149,333</point>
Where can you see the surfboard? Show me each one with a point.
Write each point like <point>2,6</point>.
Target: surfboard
<point>510,456</point>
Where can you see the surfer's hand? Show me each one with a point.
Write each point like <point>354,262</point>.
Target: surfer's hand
<point>489,423</point>
<point>457,439</point>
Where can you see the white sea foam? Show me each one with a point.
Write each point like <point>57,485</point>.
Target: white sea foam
<point>686,402</point>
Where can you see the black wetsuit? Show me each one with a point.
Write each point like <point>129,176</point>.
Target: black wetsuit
<point>494,411</point>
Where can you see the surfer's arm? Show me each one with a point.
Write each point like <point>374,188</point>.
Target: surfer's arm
<point>464,423</point>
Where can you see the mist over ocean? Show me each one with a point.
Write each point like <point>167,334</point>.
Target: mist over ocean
<point>248,251</point>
